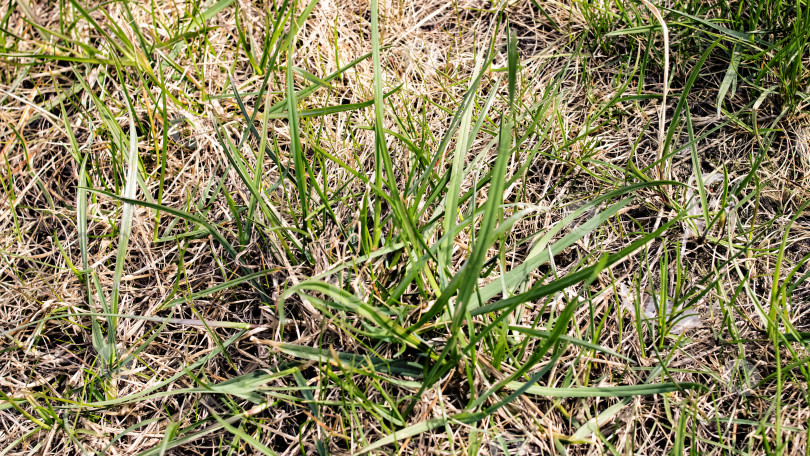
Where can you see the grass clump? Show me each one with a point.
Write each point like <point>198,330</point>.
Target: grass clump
<point>468,228</point>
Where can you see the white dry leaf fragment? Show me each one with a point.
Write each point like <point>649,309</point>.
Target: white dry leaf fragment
<point>562,298</point>
<point>683,319</point>
<point>741,376</point>
<point>92,77</point>
<point>695,224</point>
<point>802,136</point>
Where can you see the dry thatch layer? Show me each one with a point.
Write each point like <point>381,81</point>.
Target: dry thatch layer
<point>51,362</point>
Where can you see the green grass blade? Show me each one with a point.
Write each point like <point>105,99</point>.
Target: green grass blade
<point>295,138</point>
<point>607,391</point>
<point>127,213</point>
<point>456,172</point>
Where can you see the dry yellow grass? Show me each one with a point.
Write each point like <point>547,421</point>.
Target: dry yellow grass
<point>204,361</point>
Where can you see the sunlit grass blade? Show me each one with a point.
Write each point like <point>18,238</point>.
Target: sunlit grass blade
<point>456,172</point>
<point>295,138</point>
<point>125,228</point>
